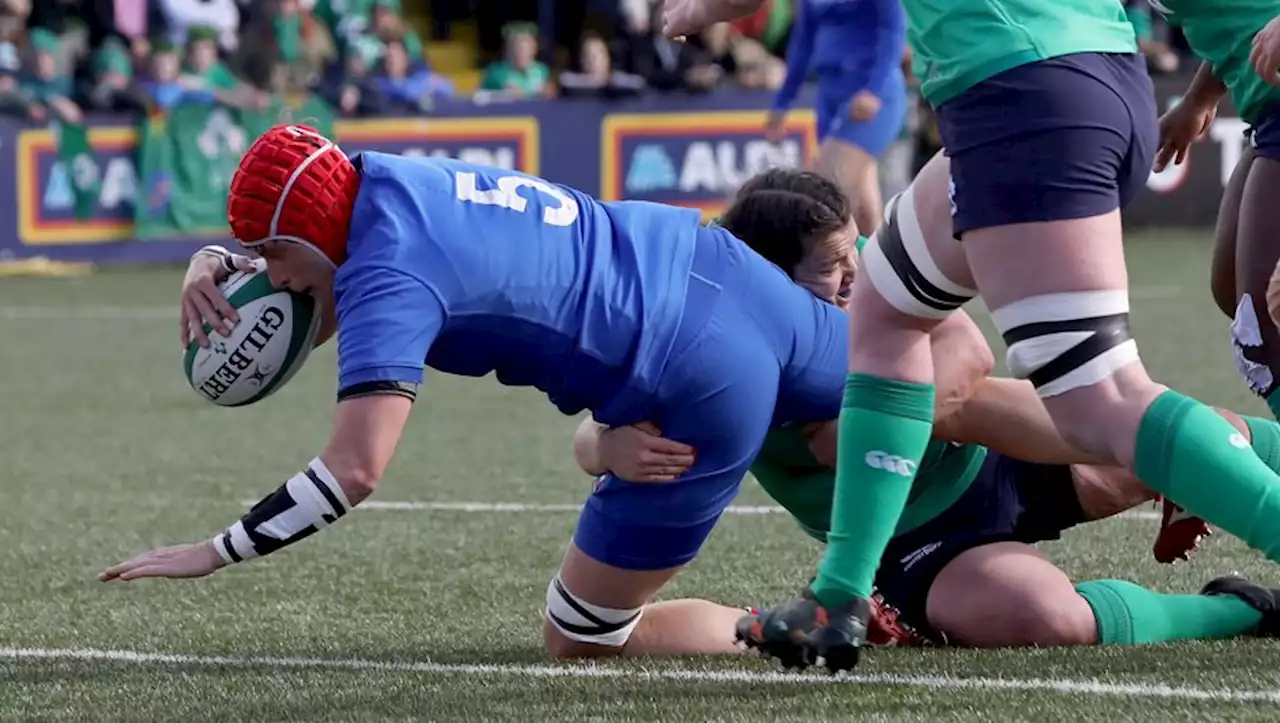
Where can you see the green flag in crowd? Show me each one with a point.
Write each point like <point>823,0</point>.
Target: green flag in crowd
<point>79,166</point>
<point>188,155</point>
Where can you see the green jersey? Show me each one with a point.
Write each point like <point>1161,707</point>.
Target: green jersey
<point>958,43</point>
<point>1221,33</point>
<point>792,476</point>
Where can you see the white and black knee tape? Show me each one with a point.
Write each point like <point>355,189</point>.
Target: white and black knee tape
<point>1246,338</point>
<point>897,261</point>
<point>1067,341</point>
<point>583,622</point>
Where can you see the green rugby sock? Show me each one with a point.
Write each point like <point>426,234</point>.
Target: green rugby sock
<point>1190,454</point>
<point>1273,402</point>
<point>1264,435</point>
<point>880,419</point>
<point>1131,615</point>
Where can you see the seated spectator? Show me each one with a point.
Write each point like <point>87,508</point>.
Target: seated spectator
<point>595,74</point>
<point>346,19</point>
<point>164,88</point>
<point>520,74</point>
<point>351,89</point>
<point>49,83</point>
<point>665,64</point>
<point>388,24</point>
<point>302,44</point>
<point>14,99</point>
<point>205,72</point>
<point>406,88</point>
<point>222,17</point>
<point>742,59</point>
<point>112,87</point>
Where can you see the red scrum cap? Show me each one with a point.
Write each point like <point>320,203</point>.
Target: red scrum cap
<point>294,185</point>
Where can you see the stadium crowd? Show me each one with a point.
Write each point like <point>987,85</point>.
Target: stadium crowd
<point>65,57</point>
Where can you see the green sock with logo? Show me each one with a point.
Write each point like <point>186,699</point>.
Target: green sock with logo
<point>1131,615</point>
<point>1190,454</point>
<point>885,426</point>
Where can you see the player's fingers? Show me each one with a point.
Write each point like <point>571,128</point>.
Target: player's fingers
<point>679,461</point>
<point>209,315</point>
<point>244,263</point>
<point>194,327</point>
<point>662,445</point>
<point>224,308</point>
<point>1162,158</point>
<point>120,568</point>
<point>1180,155</point>
<point>152,570</point>
<point>648,428</point>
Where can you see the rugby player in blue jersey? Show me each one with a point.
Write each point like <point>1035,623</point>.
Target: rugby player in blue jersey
<point>855,48</point>
<point>635,311</point>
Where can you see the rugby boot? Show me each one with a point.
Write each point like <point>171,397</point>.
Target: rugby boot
<point>884,629</point>
<point>1263,599</point>
<point>802,632</point>
<point>1180,534</point>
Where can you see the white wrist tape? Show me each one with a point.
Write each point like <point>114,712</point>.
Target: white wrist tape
<point>307,503</point>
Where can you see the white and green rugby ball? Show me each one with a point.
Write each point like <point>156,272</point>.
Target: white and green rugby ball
<point>265,349</point>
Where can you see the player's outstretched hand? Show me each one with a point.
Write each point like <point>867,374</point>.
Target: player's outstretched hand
<point>192,560</point>
<point>1265,55</point>
<point>639,453</point>
<point>1184,124</point>
<point>201,300</point>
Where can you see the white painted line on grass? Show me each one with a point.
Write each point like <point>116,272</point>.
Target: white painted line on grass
<point>525,508</point>
<point>658,675</point>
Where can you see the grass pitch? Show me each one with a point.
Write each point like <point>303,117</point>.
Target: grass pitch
<point>431,611</point>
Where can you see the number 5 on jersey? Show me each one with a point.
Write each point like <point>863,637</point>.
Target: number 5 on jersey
<point>507,195</point>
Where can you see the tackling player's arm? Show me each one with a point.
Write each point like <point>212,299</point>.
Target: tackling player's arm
<point>635,453</point>
<point>389,320</point>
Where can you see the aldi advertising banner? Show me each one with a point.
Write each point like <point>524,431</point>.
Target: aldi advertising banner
<point>123,190</point>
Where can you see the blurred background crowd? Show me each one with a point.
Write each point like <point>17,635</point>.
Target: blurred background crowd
<point>61,58</point>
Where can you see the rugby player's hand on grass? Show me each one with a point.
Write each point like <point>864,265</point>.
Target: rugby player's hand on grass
<point>803,632</point>
<point>202,301</point>
<point>1265,55</point>
<point>192,560</point>
<point>1184,124</point>
<point>639,453</point>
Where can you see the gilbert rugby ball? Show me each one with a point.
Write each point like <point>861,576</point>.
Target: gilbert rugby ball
<point>266,348</point>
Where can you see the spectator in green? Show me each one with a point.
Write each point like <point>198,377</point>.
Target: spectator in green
<point>204,71</point>
<point>389,25</point>
<point>49,85</point>
<point>14,99</point>
<point>112,87</point>
<point>347,19</point>
<point>520,75</point>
